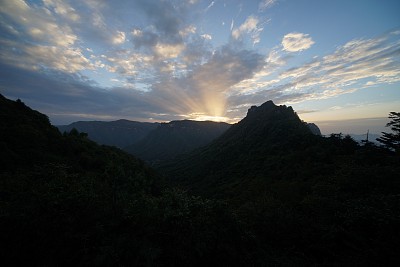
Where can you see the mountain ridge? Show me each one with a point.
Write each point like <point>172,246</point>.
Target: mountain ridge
<point>174,138</point>
<point>266,131</point>
<point>158,142</point>
<point>119,133</point>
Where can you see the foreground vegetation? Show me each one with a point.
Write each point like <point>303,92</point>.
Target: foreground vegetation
<point>277,196</point>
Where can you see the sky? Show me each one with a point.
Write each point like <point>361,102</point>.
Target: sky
<point>337,63</point>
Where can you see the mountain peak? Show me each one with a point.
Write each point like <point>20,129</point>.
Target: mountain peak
<point>269,103</point>
<point>267,132</point>
<point>267,107</point>
<point>269,110</point>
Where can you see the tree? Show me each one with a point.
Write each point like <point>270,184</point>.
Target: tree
<point>392,140</point>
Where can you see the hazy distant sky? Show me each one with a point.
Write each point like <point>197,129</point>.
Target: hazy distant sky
<point>154,60</point>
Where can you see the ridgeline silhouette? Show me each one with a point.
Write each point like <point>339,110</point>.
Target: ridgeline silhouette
<point>120,133</point>
<point>175,138</point>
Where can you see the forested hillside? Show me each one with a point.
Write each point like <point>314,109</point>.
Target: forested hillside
<point>306,199</point>
<point>267,192</point>
<point>66,201</point>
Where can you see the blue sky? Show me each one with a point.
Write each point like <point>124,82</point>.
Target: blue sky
<point>336,62</point>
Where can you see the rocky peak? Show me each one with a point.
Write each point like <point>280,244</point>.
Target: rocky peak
<point>314,128</point>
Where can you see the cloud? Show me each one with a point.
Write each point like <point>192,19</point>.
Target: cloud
<point>198,93</point>
<point>203,91</point>
<point>166,18</point>
<point>250,26</point>
<point>265,4</point>
<point>65,97</point>
<point>69,60</point>
<point>126,63</point>
<point>100,25</point>
<point>41,41</point>
<point>36,25</point>
<point>206,36</point>
<point>68,36</point>
<point>63,9</point>
<point>295,42</point>
<point>227,67</point>
<point>358,61</point>
<point>358,64</point>
<point>197,52</point>
<point>305,111</point>
<point>191,29</point>
<point>119,38</point>
<point>209,6</point>
<point>166,51</point>
<point>144,38</point>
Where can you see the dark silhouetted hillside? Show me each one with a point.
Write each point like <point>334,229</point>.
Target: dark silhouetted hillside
<point>175,138</point>
<point>267,132</point>
<point>120,133</point>
<point>67,201</point>
<point>307,200</point>
<point>267,192</point>
<point>26,136</point>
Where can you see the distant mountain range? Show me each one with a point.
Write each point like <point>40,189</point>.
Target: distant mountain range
<point>120,133</point>
<point>176,137</point>
<point>151,141</point>
<point>155,142</point>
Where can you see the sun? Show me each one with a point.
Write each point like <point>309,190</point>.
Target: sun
<point>197,116</point>
<point>211,118</point>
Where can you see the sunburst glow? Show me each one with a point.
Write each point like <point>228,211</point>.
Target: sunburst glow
<point>203,117</point>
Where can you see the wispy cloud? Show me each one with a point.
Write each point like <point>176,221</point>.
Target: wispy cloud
<point>355,65</point>
<point>295,42</point>
<point>209,6</point>
<point>63,9</point>
<point>358,61</point>
<point>251,26</point>
<point>265,4</point>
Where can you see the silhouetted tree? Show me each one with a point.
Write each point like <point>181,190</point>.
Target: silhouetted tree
<point>392,140</point>
<point>349,144</point>
<point>73,132</point>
